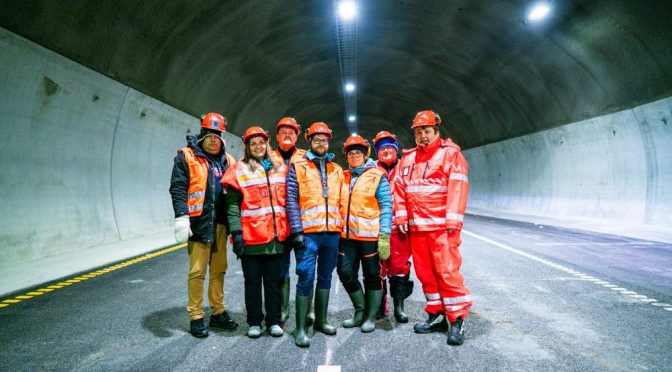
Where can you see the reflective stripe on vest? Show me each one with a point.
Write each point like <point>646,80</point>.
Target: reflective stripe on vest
<point>318,214</point>
<point>359,206</point>
<point>198,180</point>
<point>262,208</point>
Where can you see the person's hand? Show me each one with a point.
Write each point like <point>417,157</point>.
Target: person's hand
<point>384,246</point>
<point>298,241</point>
<point>182,229</point>
<point>403,228</point>
<point>238,244</point>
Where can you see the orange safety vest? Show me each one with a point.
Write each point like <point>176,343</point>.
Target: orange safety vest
<point>319,213</point>
<point>432,195</point>
<point>262,210</point>
<point>198,180</point>
<point>296,156</point>
<point>359,206</point>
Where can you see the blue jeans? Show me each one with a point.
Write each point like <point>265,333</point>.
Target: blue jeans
<point>321,250</point>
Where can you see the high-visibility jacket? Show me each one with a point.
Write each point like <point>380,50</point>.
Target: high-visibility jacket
<point>262,209</point>
<point>198,180</point>
<point>319,212</point>
<point>359,206</point>
<point>431,187</point>
<point>296,156</point>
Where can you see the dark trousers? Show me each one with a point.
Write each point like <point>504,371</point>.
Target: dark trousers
<point>266,268</point>
<point>350,254</point>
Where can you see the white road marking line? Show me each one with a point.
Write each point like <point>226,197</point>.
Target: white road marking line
<point>328,368</point>
<point>568,270</point>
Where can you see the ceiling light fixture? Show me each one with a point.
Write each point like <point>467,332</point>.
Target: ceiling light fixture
<point>347,10</point>
<point>538,12</point>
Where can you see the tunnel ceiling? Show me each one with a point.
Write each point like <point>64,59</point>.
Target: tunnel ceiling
<point>490,75</point>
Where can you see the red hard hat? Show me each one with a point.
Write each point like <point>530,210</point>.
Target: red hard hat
<point>318,128</point>
<point>384,134</point>
<point>426,118</point>
<point>355,139</point>
<point>214,121</point>
<point>254,132</point>
<point>288,122</point>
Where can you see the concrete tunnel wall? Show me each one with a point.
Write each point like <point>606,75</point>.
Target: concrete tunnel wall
<point>614,170</point>
<point>86,161</point>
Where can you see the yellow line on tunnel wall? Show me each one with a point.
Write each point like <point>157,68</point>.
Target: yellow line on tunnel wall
<point>78,279</point>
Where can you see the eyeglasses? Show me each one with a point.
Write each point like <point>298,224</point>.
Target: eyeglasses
<point>354,154</point>
<point>318,140</point>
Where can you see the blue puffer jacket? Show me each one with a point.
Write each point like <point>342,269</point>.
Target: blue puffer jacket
<point>293,208</point>
<point>383,195</point>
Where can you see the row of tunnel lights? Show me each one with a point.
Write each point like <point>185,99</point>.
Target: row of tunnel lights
<point>347,11</point>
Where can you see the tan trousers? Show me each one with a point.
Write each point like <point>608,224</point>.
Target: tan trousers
<point>200,255</point>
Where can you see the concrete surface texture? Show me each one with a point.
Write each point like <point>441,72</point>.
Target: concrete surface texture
<point>614,169</point>
<point>86,161</point>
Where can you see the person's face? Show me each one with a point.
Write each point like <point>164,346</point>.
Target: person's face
<point>425,135</point>
<point>258,147</point>
<point>387,154</point>
<point>286,137</point>
<point>319,144</point>
<point>355,158</point>
<point>212,144</point>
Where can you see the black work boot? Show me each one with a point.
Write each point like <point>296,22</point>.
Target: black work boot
<point>223,321</point>
<point>198,329</point>
<point>399,312</point>
<point>358,302</point>
<point>456,333</point>
<point>321,306</point>
<point>434,323</point>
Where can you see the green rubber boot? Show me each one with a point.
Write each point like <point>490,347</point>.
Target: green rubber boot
<point>321,305</point>
<point>371,311</point>
<point>301,339</point>
<point>310,319</point>
<point>358,302</point>
<point>284,300</point>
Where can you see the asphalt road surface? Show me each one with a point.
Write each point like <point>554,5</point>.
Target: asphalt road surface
<point>544,299</point>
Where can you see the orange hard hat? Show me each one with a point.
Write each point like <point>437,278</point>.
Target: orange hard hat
<point>288,122</point>
<point>213,121</point>
<point>318,128</point>
<point>426,118</point>
<point>254,132</point>
<point>382,135</point>
<point>356,140</point>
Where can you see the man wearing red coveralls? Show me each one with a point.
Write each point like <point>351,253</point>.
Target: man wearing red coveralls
<point>431,188</point>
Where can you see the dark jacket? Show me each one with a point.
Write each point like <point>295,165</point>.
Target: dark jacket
<point>203,226</point>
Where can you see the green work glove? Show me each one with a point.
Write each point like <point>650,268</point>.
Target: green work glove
<point>384,246</point>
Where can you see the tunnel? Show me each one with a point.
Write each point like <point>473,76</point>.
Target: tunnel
<point>565,121</point>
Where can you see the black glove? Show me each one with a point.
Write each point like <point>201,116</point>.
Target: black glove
<point>298,241</point>
<point>238,243</point>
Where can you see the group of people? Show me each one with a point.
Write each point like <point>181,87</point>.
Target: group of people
<point>375,215</point>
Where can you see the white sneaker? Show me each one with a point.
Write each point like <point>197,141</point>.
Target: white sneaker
<point>254,332</point>
<point>276,331</point>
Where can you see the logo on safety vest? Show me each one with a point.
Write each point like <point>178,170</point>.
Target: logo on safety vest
<point>405,171</point>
